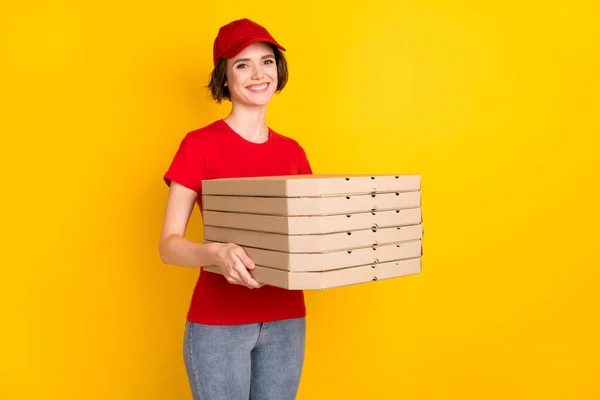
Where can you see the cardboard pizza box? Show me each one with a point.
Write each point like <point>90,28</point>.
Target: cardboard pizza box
<point>314,243</point>
<point>319,224</point>
<point>314,185</point>
<point>311,206</point>
<point>314,262</point>
<point>334,278</point>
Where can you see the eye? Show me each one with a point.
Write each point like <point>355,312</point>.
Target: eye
<point>269,61</point>
<point>241,65</point>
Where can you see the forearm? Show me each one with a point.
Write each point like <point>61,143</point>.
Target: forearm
<point>180,251</point>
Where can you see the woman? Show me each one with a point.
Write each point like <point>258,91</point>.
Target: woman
<point>242,339</point>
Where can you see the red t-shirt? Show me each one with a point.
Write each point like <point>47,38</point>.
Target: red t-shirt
<point>217,151</point>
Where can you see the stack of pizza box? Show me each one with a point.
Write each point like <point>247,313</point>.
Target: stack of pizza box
<point>309,232</point>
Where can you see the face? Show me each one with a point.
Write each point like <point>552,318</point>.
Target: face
<point>252,75</point>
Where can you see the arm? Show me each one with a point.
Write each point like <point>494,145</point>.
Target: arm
<point>175,249</point>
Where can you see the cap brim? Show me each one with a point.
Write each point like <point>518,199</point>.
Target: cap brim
<point>238,47</point>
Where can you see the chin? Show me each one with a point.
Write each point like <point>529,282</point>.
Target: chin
<point>258,100</point>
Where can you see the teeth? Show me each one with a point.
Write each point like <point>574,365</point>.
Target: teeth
<point>261,87</point>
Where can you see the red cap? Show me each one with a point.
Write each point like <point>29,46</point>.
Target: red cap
<point>237,35</point>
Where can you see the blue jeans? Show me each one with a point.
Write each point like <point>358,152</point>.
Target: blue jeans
<point>260,361</point>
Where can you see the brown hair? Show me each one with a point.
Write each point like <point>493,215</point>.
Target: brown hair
<point>220,92</point>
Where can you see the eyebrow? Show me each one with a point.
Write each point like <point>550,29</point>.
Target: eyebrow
<point>247,59</point>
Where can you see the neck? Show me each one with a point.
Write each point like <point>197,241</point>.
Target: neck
<point>249,122</point>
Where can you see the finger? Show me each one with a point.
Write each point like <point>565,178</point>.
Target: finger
<point>229,272</point>
<point>233,277</point>
<point>241,254</point>
<point>245,276</point>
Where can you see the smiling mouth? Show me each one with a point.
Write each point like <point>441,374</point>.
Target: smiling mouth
<point>258,88</point>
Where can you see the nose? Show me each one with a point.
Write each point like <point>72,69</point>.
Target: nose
<point>258,73</point>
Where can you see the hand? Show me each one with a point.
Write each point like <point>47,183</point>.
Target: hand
<point>234,264</point>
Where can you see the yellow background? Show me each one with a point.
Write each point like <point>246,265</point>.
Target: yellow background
<point>494,103</point>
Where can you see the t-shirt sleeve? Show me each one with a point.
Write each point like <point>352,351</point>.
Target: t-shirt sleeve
<point>304,168</point>
<point>188,165</point>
